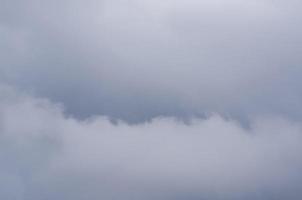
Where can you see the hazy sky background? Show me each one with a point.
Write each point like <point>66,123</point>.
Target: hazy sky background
<point>205,96</point>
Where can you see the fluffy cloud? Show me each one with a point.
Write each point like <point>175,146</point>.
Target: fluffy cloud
<point>46,155</point>
<point>136,60</point>
<point>214,87</point>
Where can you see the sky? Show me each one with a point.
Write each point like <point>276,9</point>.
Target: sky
<point>152,99</point>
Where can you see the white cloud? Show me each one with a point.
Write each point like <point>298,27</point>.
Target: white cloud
<point>45,155</point>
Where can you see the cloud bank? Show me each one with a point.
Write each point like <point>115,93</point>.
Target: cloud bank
<point>135,60</point>
<point>46,155</point>
<point>153,99</point>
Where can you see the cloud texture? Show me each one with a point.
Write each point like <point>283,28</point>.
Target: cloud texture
<point>135,60</point>
<point>153,99</point>
<point>45,155</point>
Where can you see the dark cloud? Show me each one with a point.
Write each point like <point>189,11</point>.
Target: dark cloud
<point>137,60</point>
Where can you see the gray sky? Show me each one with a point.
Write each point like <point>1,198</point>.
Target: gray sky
<point>205,97</point>
<point>135,60</point>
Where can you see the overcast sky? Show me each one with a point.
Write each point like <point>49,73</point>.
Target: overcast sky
<point>150,99</point>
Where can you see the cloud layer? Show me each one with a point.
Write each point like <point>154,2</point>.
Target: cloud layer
<point>153,99</point>
<point>136,60</point>
<point>45,155</point>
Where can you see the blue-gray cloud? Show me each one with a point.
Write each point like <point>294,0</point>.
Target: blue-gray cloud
<point>213,86</point>
<point>137,60</point>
